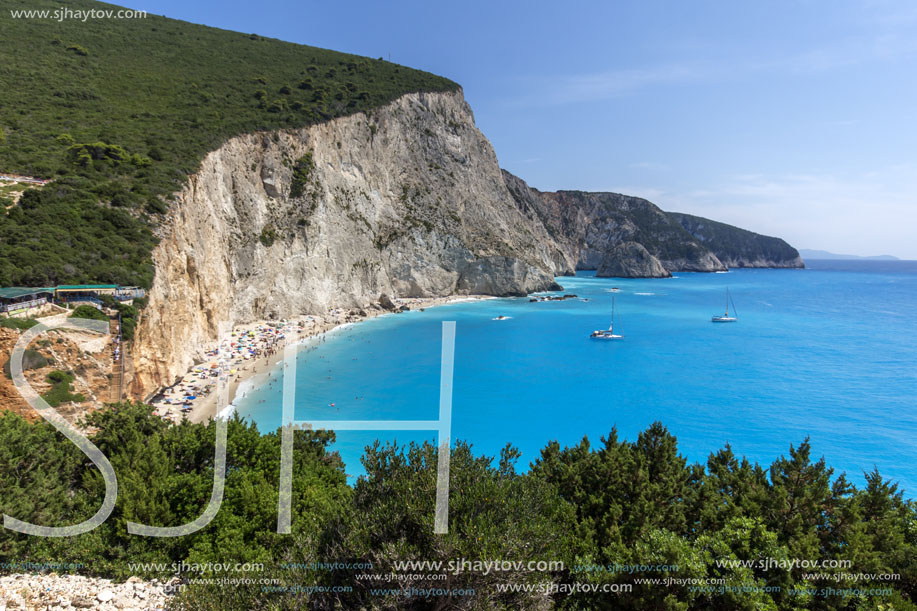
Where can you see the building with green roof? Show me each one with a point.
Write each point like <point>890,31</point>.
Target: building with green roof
<point>20,297</point>
<point>17,297</point>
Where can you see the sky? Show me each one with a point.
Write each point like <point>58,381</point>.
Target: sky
<point>790,118</point>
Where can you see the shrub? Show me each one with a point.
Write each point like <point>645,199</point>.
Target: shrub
<point>89,312</point>
<point>108,301</point>
<point>61,389</point>
<point>277,106</point>
<point>268,236</point>
<point>96,151</point>
<point>128,315</point>
<point>18,323</point>
<point>127,328</point>
<point>301,172</point>
<point>156,206</point>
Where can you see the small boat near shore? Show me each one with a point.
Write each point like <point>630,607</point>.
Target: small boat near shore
<point>726,317</point>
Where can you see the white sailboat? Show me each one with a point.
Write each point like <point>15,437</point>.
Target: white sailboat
<point>726,317</point>
<point>608,333</point>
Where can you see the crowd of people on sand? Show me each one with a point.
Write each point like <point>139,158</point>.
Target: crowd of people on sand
<point>228,362</point>
<point>224,364</point>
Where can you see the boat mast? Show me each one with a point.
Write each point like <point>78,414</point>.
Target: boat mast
<point>727,301</point>
<point>612,327</point>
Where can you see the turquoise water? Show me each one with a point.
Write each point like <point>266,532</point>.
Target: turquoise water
<point>827,352</point>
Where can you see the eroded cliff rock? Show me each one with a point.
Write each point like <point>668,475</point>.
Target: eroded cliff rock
<point>590,228</point>
<point>595,231</point>
<point>406,200</point>
<point>631,260</point>
<point>739,247</point>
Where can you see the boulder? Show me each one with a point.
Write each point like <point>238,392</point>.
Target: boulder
<point>386,302</point>
<point>269,180</point>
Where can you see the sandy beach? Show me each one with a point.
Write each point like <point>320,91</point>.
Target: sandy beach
<point>248,357</point>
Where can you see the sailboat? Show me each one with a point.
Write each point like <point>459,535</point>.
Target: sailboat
<point>726,317</point>
<point>608,333</point>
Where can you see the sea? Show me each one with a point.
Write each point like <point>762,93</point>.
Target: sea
<point>827,353</point>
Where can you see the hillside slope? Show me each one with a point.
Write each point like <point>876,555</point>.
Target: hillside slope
<point>121,111</point>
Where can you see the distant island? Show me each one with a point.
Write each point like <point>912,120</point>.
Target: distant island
<point>824,254</point>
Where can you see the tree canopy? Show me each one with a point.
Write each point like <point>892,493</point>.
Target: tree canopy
<point>620,515</point>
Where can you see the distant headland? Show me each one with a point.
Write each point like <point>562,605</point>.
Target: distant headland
<point>807,254</point>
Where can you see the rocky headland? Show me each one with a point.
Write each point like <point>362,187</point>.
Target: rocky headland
<point>406,200</point>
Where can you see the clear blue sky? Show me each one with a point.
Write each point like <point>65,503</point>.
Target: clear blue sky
<point>796,119</point>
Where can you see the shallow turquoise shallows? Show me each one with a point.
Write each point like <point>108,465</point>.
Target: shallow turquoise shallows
<point>828,353</point>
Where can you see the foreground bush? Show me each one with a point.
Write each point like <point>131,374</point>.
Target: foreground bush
<point>621,515</point>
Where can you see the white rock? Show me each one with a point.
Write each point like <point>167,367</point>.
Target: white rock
<point>360,239</point>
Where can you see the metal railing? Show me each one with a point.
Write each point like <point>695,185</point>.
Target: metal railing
<point>23,305</point>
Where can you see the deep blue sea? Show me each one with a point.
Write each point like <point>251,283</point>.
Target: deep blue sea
<point>829,353</point>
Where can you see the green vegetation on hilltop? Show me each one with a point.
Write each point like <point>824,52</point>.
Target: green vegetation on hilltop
<point>615,514</point>
<point>120,111</point>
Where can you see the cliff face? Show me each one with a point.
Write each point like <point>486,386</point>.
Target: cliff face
<point>406,200</point>
<point>602,231</point>
<point>631,260</point>
<point>738,247</point>
<point>625,236</point>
